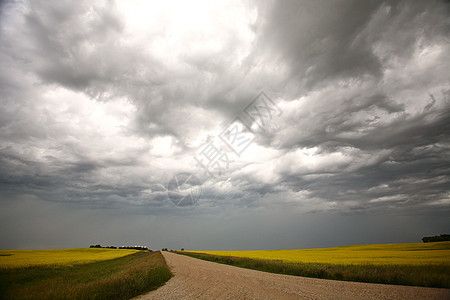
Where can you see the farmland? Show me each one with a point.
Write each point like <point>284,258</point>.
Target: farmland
<point>58,257</point>
<point>406,264</point>
<point>81,274</point>
<point>383,254</point>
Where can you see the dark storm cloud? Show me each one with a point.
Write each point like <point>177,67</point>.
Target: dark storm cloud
<point>81,49</point>
<point>407,157</point>
<point>102,104</point>
<point>336,127</point>
<point>61,38</point>
<point>321,41</point>
<point>395,141</point>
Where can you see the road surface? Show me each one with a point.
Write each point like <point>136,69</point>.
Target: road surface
<point>199,279</point>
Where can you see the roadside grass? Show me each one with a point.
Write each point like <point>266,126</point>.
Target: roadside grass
<point>431,275</point>
<point>120,278</point>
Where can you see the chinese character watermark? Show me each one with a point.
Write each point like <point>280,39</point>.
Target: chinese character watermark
<point>237,136</point>
<point>262,110</point>
<point>216,156</point>
<point>184,189</point>
<point>213,159</point>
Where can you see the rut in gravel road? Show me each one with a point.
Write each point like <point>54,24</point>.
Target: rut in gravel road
<point>199,279</point>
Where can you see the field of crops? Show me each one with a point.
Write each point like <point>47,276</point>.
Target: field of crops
<point>58,257</point>
<point>120,278</point>
<point>384,254</point>
<point>426,264</point>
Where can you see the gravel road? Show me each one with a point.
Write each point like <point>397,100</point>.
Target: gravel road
<point>199,279</point>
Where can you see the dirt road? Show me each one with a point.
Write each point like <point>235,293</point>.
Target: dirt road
<point>199,279</point>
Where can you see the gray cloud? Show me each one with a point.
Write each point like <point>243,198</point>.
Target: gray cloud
<point>103,102</point>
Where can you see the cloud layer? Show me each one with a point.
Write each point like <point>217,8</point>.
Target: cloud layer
<point>103,102</point>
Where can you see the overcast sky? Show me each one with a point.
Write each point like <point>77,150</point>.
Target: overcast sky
<point>104,102</point>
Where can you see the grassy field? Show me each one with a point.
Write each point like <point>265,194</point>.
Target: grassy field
<point>384,254</point>
<point>58,257</point>
<point>119,278</point>
<point>407,264</point>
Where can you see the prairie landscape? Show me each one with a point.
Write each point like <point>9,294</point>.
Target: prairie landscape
<point>124,274</point>
<point>383,254</point>
<point>57,257</point>
<point>80,273</point>
<point>318,128</point>
<point>199,278</point>
<point>415,264</point>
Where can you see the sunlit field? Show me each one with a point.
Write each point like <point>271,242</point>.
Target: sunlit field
<point>403,254</point>
<point>58,257</point>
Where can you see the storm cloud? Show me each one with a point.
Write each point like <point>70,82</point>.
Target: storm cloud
<point>103,102</point>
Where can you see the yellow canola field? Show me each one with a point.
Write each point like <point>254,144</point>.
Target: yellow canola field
<point>58,257</point>
<point>404,254</point>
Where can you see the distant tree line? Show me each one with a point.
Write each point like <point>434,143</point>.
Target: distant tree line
<point>121,247</point>
<point>436,238</point>
<point>165,249</point>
